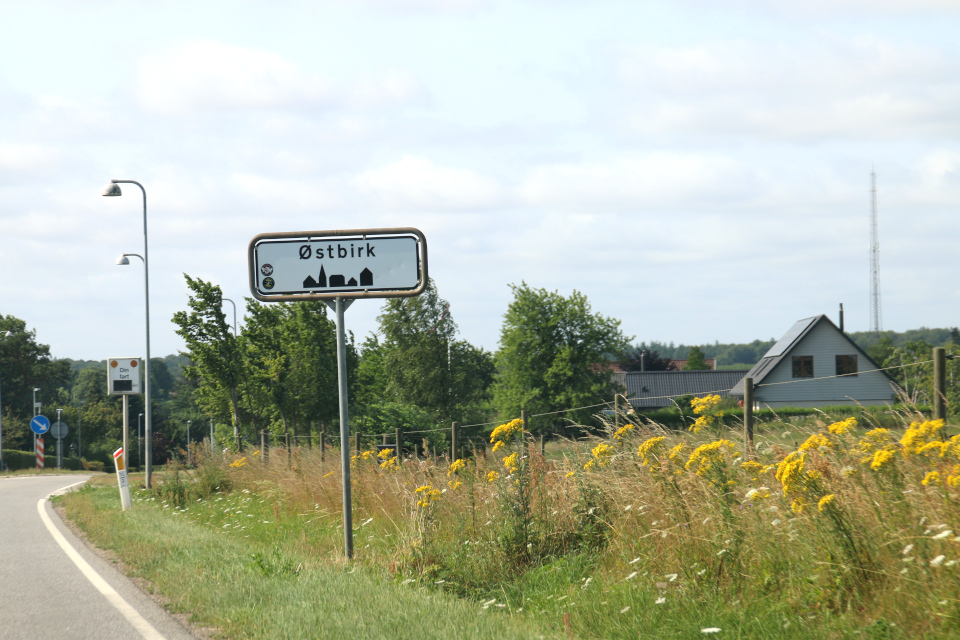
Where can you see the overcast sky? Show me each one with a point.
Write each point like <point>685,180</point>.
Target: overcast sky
<point>698,169</point>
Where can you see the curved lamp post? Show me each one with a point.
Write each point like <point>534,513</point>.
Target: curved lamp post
<point>113,189</point>
<point>3,334</point>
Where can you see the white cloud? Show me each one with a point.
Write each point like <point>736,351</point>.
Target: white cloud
<point>205,75</point>
<point>26,157</point>
<point>416,183</point>
<point>824,87</point>
<point>659,180</point>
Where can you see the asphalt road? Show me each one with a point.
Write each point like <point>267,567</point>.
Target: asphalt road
<point>53,587</point>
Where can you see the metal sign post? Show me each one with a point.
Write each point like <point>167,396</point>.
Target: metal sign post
<point>339,267</point>
<point>123,379</point>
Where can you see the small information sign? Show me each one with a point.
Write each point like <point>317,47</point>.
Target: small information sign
<point>123,376</point>
<point>119,459</point>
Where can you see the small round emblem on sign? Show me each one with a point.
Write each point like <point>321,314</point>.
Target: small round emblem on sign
<point>266,269</point>
<point>268,283</point>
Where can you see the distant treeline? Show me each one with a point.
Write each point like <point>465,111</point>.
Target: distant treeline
<point>744,356</point>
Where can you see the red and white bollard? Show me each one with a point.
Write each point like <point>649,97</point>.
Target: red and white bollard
<point>118,460</point>
<point>39,452</point>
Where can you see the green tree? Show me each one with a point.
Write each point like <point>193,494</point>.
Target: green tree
<point>550,346</point>
<point>695,360</point>
<point>25,365</point>
<point>425,365</point>
<point>213,350</point>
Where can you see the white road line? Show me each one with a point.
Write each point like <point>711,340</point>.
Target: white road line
<point>140,624</point>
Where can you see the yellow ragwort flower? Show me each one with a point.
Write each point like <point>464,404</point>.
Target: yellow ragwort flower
<point>933,477</point>
<point>512,462</point>
<point>385,453</point>
<point>704,404</point>
<point>825,500</point>
<point>602,453</point>
<point>648,450</point>
<point>623,431</point>
<point>236,464</point>
<point>817,442</point>
<point>701,423</point>
<point>505,432</point>
<point>493,475</point>
<point>880,458</point>
<point>427,495</point>
<point>842,427</point>
<point>919,434</point>
<point>706,456</point>
<point>390,464</point>
<point>456,466</point>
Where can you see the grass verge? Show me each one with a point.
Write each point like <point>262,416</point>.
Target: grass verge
<point>261,583</point>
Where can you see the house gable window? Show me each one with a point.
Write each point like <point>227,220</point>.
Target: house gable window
<point>802,366</point>
<point>847,365</point>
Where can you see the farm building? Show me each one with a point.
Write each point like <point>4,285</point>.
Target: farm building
<point>656,389</point>
<point>813,365</point>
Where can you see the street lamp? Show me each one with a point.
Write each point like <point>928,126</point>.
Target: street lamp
<point>234,315</point>
<point>113,189</point>
<point>79,436</point>
<point>59,439</point>
<point>3,334</point>
<point>139,444</point>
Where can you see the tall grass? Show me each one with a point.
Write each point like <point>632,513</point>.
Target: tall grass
<point>831,529</point>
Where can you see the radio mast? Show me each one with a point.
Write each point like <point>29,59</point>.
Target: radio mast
<point>876,314</point>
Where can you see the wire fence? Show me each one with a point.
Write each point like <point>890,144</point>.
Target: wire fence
<point>674,397</point>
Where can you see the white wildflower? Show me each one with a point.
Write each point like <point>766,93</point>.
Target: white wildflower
<point>936,562</point>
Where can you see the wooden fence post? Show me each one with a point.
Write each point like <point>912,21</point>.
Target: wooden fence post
<point>526,421</point>
<point>748,417</point>
<point>939,383</point>
<point>399,445</point>
<point>356,442</point>
<point>239,444</point>
<point>289,461</point>
<point>264,446</point>
<point>322,442</point>
<point>454,442</point>
<point>616,412</point>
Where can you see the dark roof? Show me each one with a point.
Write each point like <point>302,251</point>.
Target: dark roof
<point>659,388</point>
<point>782,348</point>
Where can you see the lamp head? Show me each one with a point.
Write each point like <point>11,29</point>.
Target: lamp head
<point>112,189</point>
<point>123,260</point>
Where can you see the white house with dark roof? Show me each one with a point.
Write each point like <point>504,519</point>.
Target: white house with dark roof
<point>815,365</point>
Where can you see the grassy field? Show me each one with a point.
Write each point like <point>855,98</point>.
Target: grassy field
<point>830,529</point>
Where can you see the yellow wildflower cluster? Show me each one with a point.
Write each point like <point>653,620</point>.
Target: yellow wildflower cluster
<point>602,453</point>
<point>791,473</point>
<point>650,449</point>
<point>427,495</point>
<point>390,463</point>
<point>704,404</point>
<point>502,434</point>
<point>236,464</point>
<point>919,434</point>
<point>842,427</point>
<point>706,456</point>
<point>493,475</point>
<point>456,466</point>
<point>825,501</point>
<point>700,423</point>
<point>512,462</point>
<point>364,455</point>
<point>385,454</point>
<point>817,442</point>
<point>620,433</point>
<point>880,458</point>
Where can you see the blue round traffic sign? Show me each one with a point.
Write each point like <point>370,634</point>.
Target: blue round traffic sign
<point>40,425</point>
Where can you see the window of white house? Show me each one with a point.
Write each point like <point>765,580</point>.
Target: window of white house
<point>847,365</point>
<point>802,366</point>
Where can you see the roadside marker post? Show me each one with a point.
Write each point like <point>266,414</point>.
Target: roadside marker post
<point>339,267</point>
<point>39,425</point>
<point>120,462</point>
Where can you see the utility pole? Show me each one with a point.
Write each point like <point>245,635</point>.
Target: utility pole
<point>876,314</point>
